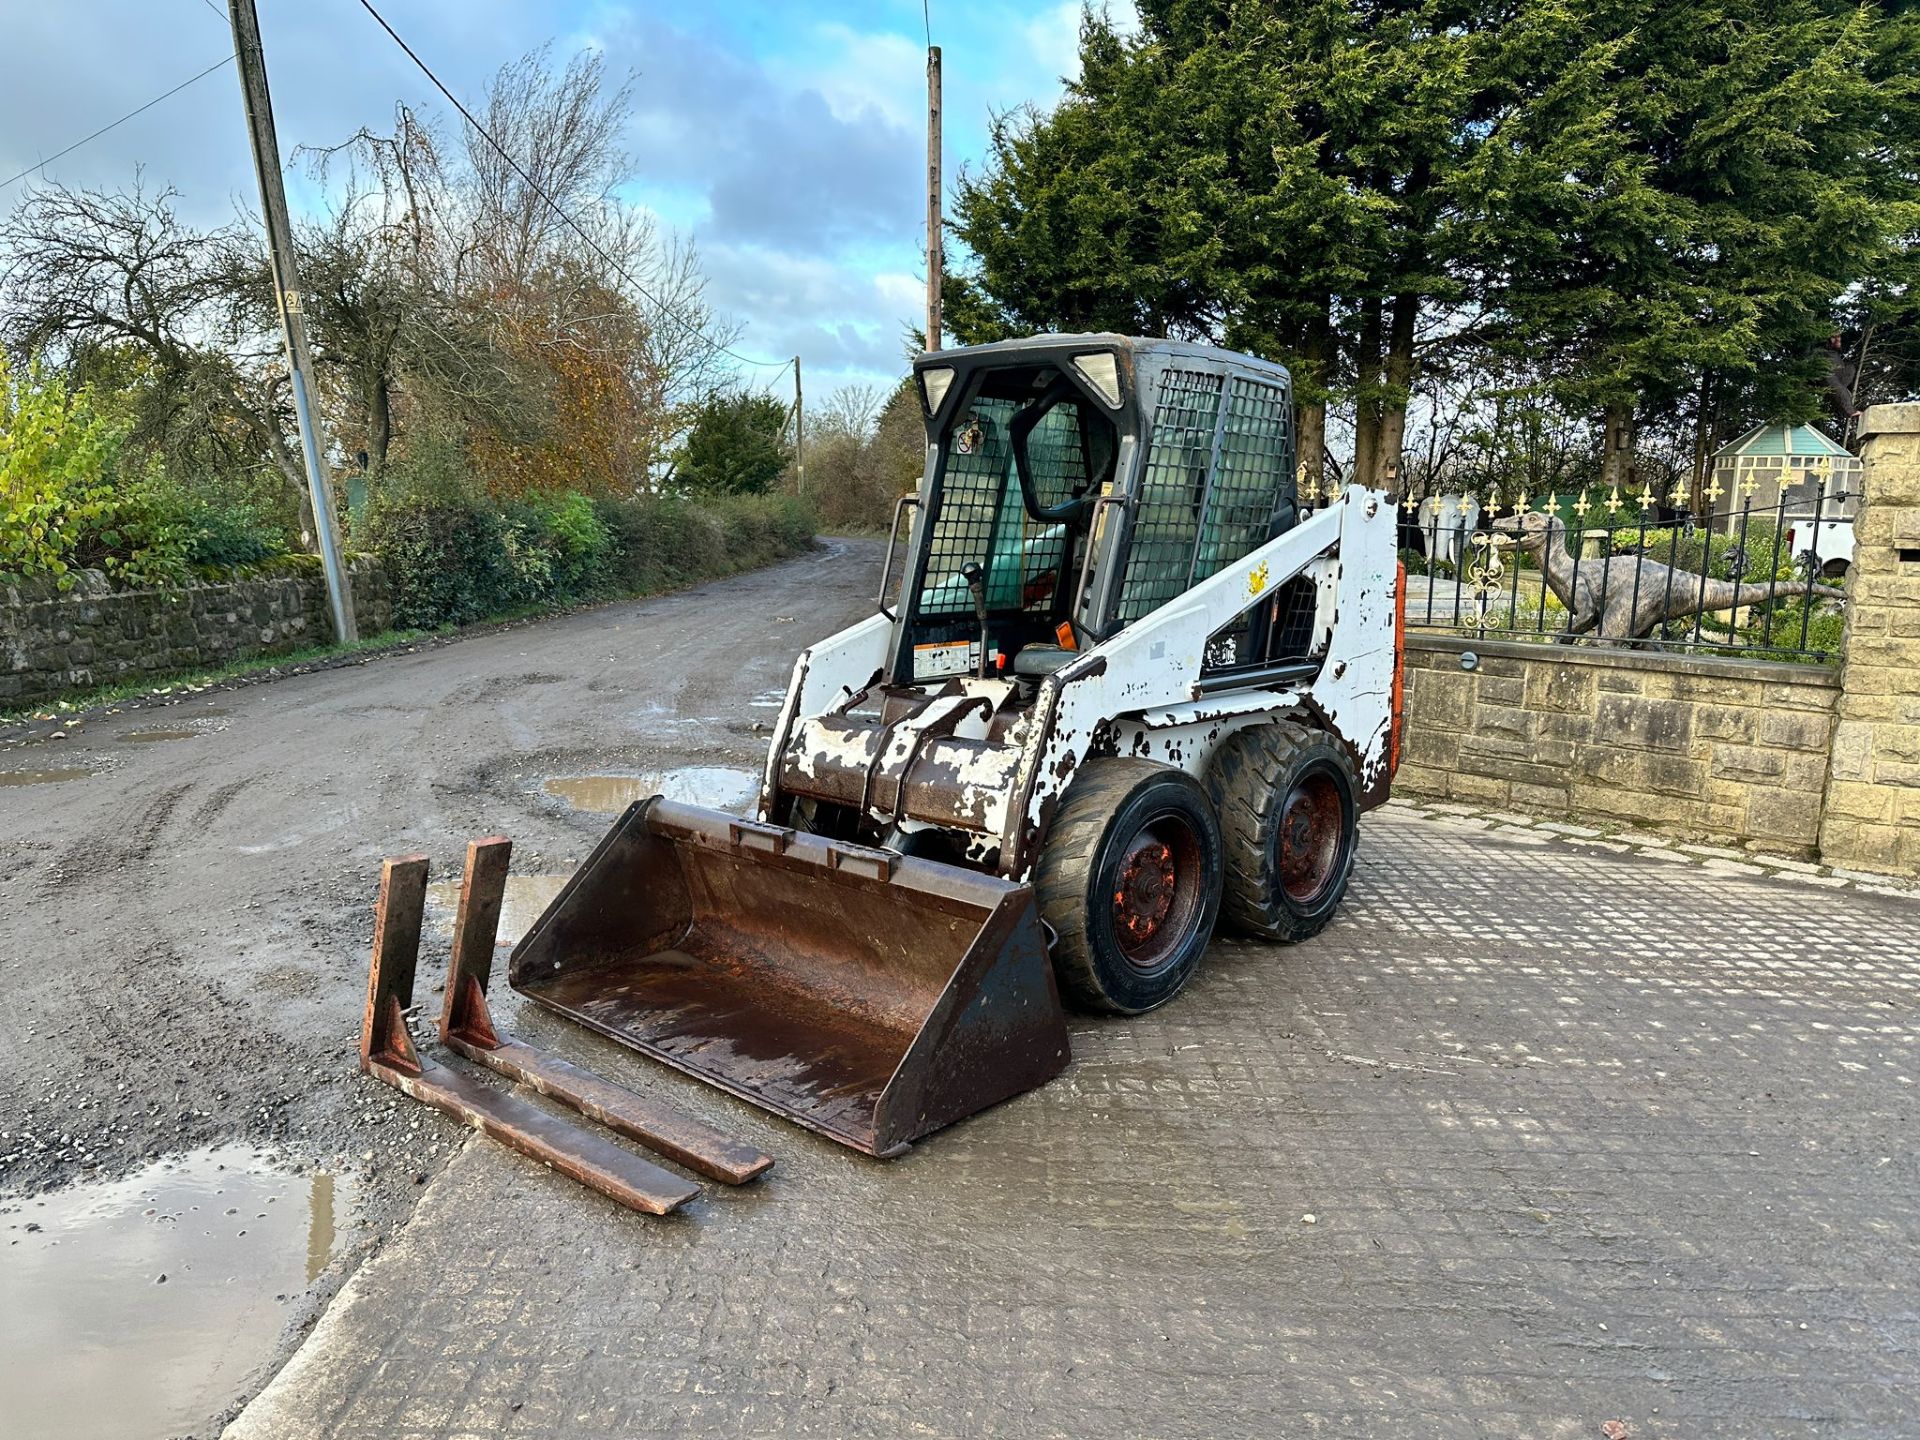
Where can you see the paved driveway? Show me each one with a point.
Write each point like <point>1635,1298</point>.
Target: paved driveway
<point>1536,1138</point>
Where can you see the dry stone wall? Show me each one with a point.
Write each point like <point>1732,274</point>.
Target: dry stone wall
<point>54,642</point>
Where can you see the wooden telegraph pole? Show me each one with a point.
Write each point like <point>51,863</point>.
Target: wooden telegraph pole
<point>933,198</point>
<point>286,289</point>
<point>799,432</point>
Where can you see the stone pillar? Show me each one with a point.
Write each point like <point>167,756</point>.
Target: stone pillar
<point>1872,819</point>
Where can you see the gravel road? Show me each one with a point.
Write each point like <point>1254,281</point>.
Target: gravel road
<point>183,930</point>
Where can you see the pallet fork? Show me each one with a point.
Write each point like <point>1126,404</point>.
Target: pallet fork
<point>467,1027</point>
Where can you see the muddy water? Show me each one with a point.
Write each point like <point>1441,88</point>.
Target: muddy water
<point>527,897</point>
<point>137,1308</point>
<point>42,777</point>
<point>149,737</point>
<point>715,786</point>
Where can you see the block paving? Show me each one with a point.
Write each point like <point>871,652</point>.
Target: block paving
<point>1545,1132</point>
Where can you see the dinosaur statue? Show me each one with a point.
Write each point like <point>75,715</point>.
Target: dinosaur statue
<point>1627,596</point>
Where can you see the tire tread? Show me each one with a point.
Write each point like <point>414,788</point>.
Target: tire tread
<point>1064,872</point>
<point>1244,781</point>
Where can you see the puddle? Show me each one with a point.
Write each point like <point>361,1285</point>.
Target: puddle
<point>42,777</point>
<point>527,899</point>
<point>98,1346</point>
<point>717,787</point>
<point>148,737</point>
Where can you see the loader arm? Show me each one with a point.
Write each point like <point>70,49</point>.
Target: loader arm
<point>826,674</point>
<point>1155,668</point>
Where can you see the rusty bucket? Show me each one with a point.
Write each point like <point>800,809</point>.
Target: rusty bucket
<point>867,995</point>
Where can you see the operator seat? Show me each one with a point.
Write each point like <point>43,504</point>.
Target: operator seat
<point>1036,660</point>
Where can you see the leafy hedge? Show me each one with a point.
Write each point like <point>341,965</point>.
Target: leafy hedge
<point>71,501</point>
<point>454,559</point>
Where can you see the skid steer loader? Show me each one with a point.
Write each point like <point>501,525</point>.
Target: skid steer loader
<point>1128,688</point>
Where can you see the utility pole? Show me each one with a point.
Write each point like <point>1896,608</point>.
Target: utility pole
<point>252,65</point>
<point>799,432</point>
<point>933,197</point>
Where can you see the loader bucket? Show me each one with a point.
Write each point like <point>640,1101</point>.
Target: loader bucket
<point>866,995</point>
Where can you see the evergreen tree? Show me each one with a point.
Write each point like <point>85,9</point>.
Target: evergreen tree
<point>736,445</point>
<point>1649,203</point>
<point>1285,178</point>
<point>1702,264</point>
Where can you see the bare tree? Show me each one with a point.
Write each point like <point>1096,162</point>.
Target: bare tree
<point>850,410</point>
<point>520,309</point>
<point>84,269</point>
<point>509,297</point>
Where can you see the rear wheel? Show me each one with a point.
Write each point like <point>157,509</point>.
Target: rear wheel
<point>1289,821</point>
<point>1129,878</point>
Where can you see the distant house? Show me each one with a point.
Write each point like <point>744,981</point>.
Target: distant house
<point>1796,475</point>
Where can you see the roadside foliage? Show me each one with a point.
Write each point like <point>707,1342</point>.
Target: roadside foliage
<point>512,401</point>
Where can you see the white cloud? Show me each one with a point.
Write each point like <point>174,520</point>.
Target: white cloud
<point>868,73</point>
<point>790,148</point>
<point>907,294</point>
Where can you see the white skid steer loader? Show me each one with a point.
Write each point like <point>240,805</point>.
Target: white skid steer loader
<point>1128,688</point>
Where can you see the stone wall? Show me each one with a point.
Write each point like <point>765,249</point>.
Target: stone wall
<point>1873,793</point>
<point>53,643</point>
<point>1719,750</point>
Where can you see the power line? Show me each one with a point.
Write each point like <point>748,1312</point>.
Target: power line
<point>555,205</point>
<point>41,164</point>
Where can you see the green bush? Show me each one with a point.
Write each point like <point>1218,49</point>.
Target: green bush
<point>445,558</point>
<point>735,446</point>
<point>560,547</point>
<point>757,530</point>
<point>660,542</point>
<point>453,559</point>
<point>1756,543</point>
<point>70,501</point>
<point>64,503</point>
<point>228,534</point>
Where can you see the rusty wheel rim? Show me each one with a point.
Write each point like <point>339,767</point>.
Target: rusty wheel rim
<point>1156,892</point>
<point>1311,822</point>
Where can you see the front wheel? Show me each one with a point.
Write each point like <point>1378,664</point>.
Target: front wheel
<point>1129,878</point>
<point>1288,815</point>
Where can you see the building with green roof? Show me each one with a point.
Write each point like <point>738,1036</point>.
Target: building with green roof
<point>1795,475</point>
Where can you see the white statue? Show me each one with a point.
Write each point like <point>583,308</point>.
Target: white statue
<point>1445,521</point>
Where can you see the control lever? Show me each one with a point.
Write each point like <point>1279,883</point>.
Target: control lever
<point>976,579</point>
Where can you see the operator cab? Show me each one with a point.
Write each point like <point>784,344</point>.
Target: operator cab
<point>1019,459</point>
<point>1074,483</point>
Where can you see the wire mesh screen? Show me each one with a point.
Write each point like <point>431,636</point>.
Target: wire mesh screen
<point>982,518</point>
<point>1166,522</point>
<point>1056,454</point>
<point>1256,449</point>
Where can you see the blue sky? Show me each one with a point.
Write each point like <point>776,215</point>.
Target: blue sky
<point>788,140</point>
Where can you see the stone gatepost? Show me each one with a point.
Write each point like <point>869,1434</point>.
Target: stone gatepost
<point>1872,819</point>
